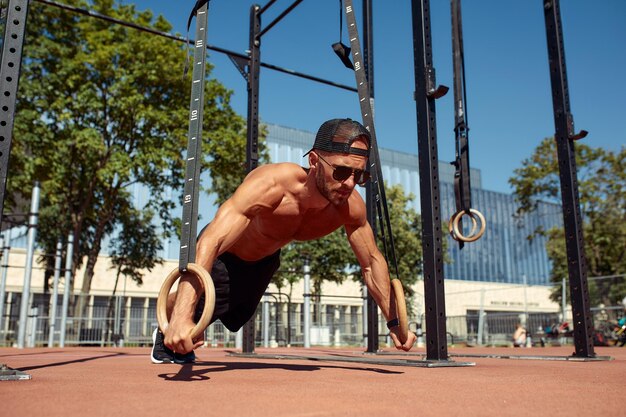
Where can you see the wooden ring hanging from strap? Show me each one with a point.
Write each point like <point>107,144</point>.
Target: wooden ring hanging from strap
<point>403,320</point>
<point>209,298</point>
<point>451,229</point>
<point>455,231</point>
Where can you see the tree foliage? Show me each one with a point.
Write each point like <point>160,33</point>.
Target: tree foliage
<point>103,107</point>
<point>602,189</point>
<point>135,249</point>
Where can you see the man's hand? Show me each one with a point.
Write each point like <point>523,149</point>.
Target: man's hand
<point>410,340</point>
<point>178,336</point>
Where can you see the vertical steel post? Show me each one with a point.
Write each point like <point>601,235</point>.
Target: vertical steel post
<point>68,286</point>
<point>266,322</point>
<point>58,258</point>
<point>254,66</point>
<point>28,269</point>
<point>307,304</point>
<point>425,95</point>
<point>10,65</point>
<point>572,218</point>
<point>481,319</point>
<point>4,266</point>
<point>564,299</point>
<point>252,155</point>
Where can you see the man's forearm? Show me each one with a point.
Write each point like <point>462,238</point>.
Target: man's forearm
<point>378,285</point>
<point>187,295</point>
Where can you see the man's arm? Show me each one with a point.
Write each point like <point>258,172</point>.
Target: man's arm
<point>375,272</point>
<point>257,192</point>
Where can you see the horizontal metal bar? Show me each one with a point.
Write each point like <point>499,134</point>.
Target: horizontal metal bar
<point>267,6</point>
<point>354,359</point>
<point>192,42</point>
<point>507,356</point>
<point>279,18</point>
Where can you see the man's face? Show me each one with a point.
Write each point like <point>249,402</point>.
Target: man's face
<point>337,191</point>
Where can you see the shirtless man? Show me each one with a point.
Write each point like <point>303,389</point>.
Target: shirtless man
<point>276,204</point>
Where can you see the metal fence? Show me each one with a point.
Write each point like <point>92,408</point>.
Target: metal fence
<point>126,323</point>
<point>122,323</point>
<point>496,329</point>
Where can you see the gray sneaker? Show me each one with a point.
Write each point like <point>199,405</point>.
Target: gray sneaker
<point>161,354</point>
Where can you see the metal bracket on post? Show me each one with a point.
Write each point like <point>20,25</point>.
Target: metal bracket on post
<point>252,149</point>
<point>572,218</point>
<point>240,63</point>
<point>425,94</point>
<point>8,374</point>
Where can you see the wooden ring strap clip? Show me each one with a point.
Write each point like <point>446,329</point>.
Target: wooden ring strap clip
<point>398,293</point>
<point>455,231</point>
<point>451,228</point>
<point>209,298</point>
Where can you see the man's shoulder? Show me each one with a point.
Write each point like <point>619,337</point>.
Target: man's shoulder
<point>281,173</point>
<point>274,179</point>
<point>280,168</point>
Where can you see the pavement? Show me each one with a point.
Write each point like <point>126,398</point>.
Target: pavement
<point>292,382</point>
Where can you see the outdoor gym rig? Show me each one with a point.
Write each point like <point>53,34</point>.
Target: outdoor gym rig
<point>426,92</point>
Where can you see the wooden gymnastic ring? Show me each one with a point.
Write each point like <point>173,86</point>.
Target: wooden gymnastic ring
<point>403,320</point>
<point>209,298</point>
<point>474,236</point>
<point>451,228</point>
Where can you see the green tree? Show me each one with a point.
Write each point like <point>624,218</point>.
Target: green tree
<point>602,189</point>
<point>134,250</point>
<point>103,107</point>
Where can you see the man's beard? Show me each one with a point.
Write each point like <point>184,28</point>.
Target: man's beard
<point>333,197</point>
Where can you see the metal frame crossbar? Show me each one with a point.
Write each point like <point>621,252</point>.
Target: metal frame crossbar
<point>507,356</point>
<point>356,359</point>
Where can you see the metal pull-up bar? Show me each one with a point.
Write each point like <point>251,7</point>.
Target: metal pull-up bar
<point>278,19</point>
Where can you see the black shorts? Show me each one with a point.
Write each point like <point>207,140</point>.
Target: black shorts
<point>239,286</point>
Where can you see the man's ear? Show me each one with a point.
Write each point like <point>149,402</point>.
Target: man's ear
<point>313,160</point>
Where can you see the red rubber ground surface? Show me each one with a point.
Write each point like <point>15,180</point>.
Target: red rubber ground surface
<point>123,382</point>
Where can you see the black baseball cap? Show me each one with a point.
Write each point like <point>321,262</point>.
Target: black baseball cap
<point>351,130</point>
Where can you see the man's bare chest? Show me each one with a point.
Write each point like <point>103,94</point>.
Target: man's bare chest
<point>288,222</point>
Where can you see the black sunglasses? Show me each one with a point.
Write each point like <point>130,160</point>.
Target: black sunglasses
<point>341,173</point>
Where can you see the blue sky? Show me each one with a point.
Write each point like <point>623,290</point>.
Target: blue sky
<point>509,103</point>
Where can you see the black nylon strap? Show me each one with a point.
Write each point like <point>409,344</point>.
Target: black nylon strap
<point>194,158</point>
<point>462,184</point>
<point>194,11</point>
<point>462,175</point>
<point>368,122</point>
<point>393,323</point>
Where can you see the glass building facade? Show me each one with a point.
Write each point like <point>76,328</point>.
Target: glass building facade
<point>503,255</point>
